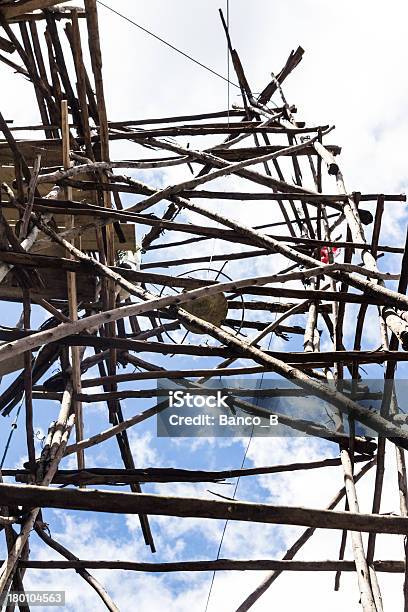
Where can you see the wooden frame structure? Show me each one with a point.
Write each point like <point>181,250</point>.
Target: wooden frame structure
<point>61,210</point>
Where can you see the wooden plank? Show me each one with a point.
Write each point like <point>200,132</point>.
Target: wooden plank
<point>50,151</point>
<point>55,287</point>
<point>88,238</point>
<point>7,175</point>
<point>14,9</point>
<point>62,12</point>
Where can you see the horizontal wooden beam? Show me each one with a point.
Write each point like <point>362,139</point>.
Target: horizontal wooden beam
<point>113,475</point>
<point>387,566</point>
<point>299,358</point>
<point>15,9</point>
<point>318,197</point>
<point>142,503</point>
<point>202,130</point>
<point>51,151</point>
<point>36,260</point>
<point>242,195</point>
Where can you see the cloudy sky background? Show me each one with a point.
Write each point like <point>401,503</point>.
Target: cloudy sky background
<point>353,76</point>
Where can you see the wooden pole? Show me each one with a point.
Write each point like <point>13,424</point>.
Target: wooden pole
<point>72,295</point>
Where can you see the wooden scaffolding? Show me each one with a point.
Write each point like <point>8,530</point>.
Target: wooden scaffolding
<point>68,244</point>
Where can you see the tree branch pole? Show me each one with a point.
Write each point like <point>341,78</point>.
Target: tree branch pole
<point>72,296</point>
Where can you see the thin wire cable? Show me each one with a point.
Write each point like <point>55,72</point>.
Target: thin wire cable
<point>13,428</point>
<point>212,254</point>
<point>236,484</point>
<point>226,522</point>
<point>186,55</point>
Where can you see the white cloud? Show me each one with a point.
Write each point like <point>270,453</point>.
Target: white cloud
<point>143,450</point>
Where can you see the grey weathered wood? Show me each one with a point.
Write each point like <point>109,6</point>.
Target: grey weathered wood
<point>135,503</point>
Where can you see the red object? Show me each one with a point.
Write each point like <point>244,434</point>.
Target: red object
<point>324,254</point>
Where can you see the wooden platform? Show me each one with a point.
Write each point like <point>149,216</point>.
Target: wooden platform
<point>50,151</point>
<point>87,240</point>
<point>55,287</point>
<point>55,282</point>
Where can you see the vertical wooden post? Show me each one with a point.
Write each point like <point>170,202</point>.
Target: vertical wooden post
<point>72,294</point>
<point>96,61</point>
<point>28,384</point>
<point>363,573</point>
<point>74,37</point>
